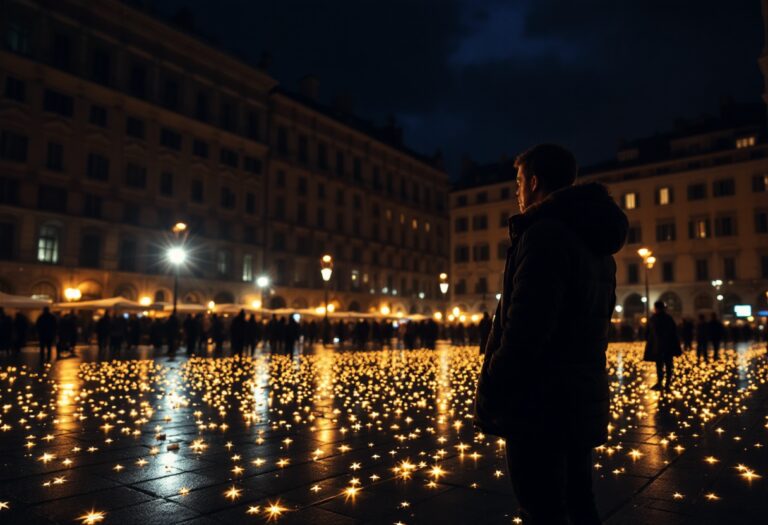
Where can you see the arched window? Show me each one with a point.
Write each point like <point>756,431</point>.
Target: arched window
<point>673,302</point>
<point>633,306</point>
<point>126,290</point>
<point>48,244</point>
<point>276,302</point>
<point>354,306</point>
<point>160,296</point>
<point>45,290</point>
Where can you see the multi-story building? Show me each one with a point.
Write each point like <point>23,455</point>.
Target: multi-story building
<point>696,198</point>
<point>115,125</point>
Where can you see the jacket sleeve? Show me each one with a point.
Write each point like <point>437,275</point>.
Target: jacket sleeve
<point>542,269</point>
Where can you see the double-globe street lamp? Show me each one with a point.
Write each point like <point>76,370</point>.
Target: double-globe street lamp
<point>648,261</point>
<point>262,281</point>
<point>326,270</point>
<point>716,284</point>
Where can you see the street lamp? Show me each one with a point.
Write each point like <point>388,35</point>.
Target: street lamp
<point>262,281</point>
<point>326,270</point>
<point>716,284</point>
<point>648,261</point>
<point>72,294</point>
<point>176,256</point>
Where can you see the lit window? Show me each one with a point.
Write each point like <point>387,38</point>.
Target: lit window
<point>414,224</point>
<point>248,267</point>
<point>745,142</point>
<point>630,201</point>
<point>664,196</point>
<point>48,245</point>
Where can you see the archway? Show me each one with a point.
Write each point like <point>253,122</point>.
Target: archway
<point>633,306</point>
<point>45,290</point>
<point>354,306</point>
<point>299,303</point>
<point>161,296</point>
<point>224,298</point>
<point>276,302</point>
<point>126,290</point>
<point>673,302</point>
<point>193,297</point>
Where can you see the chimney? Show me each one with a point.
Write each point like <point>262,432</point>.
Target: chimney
<point>309,86</point>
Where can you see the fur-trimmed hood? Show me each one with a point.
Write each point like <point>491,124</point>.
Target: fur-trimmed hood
<point>587,209</point>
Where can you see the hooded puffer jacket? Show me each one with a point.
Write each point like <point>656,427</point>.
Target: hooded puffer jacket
<point>544,367</point>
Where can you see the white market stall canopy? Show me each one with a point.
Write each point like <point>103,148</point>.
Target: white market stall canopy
<point>185,308</point>
<point>112,303</point>
<point>20,301</point>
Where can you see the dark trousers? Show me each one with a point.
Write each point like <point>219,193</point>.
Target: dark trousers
<point>716,348</point>
<point>701,350</point>
<point>662,363</point>
<point>46,347</point>
<point>552,482</point>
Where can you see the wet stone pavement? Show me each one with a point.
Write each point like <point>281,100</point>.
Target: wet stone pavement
<point>345,437</point>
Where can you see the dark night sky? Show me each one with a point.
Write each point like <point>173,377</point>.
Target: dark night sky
<point>487,77</point>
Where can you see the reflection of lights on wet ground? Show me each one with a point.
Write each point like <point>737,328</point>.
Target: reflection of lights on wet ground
<point>380,415</point>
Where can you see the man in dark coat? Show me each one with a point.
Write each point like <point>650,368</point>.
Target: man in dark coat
<point>543,385</point>
<point>716,334</point>
<point>702,338</point>
<point>485,330</point>
<point>46,332</point>
<point>662,345</point>
<point>237,333</point>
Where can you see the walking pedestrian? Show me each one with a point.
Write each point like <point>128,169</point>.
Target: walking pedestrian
<point>716,334</point>
<point>237,333</point>
<point>543,385</point>
<point>663,344</point>
<point>702,339</point>
<point>46,333</point>
<point>20,332</point>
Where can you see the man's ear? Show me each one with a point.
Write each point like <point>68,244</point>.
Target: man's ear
<point>534,183</point>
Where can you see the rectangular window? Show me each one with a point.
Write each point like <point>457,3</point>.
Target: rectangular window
<point>7,241</point>
<point>480,222</point>
<point>729,268</point>
<point>126,261</point>
<point>664,196</point>
<point>250,203</point>
<point>665,232</point>
<point>461,286</point>
<point>745,142</point>
<point>697,192</point>
<point>223,263</point>
<point>92,205</point>
<point>101,67</point>
<point>667,272</point>
<point>634,234</point>
<point>48,245</point>
<point>461,254</point>
<point>13,146</point>
<point>723,188</point>
<point>98,167</point>
<point>322,156</point>
<point>302,188</point>
<point>698,228</point>
<point>196,191</point>
<point>200,148</point>
<point>166,183</point>
<point>764,266</point>
<point>481,285</point>
<point>321,217</point>
<point>15,89</point>
<point>481,197</point>
<point>252,165</point>
<point>501,250</point>
<point>170,139</point>
<point>58,103</point>
<point>461,224</point>
<point>55,159</point>
<point>90,250</point>
<point>227,116</point>
<point>340,163</point>
<point>761,222</point>
<point>137,85</point>
<point>303,149</point>
<point>481,252</point>
<point>202,112</point>
<point>357,169</point>
<point>247,267</point>
<point>461,200</point>
<point>229,158</point>
<point>282,141</point>
<point>633,273</point>
<point>228,198</point>
<point>135,128</point>
<point>760,183</point>
<point>702,270</point>
<point>98,116</point>
<point>135,176</point>
<point>631,201</point>
<point>254,125</point>
<point>9,190</point>
<point>725,226</point>
<point>170,98</point>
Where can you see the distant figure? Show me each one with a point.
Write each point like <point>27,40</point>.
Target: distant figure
<point>687,332</point>
<point>20,332</point>
<point>252,334</point>
<point>485,330</point>
<point>191,337</point>
<point>702,339</point>
<point>291,335</point>
<point>103,329</point>
<point>217,333</point>
<point>172,333</point>
<point>716,334</point>
<point>543,384</point>
<point>663,344</point>
<point>46,333</point>
<point>237,333</point>
<point>6,331</point>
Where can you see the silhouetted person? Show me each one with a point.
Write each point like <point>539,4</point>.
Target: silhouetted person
<point>133,335</point>
<point>485,330</point>
<point>716,334</point>
<point>217,333</point>
<point>191,337</point>
<point>687,330</point>
<point>118,329</point>
<point>172,333</point>
<point>237,333</point>
<point>103,330</point>
<point>6,331</point>
<point>251,334</point>
<point>702,338</point>
<point>46,332</point>
<point>663,344</point>
<point>543,385</point>
<point>20,331</point>
<point>67,328</point>
<point>291,335</point>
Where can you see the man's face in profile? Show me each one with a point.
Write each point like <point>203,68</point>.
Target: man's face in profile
<point>523,191</point>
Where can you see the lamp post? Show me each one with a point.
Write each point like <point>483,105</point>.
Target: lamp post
<point>262,282</point>
<point>326,270</point>
<point>648,261</point>
<point>716,284</point>
<point>177,256</point>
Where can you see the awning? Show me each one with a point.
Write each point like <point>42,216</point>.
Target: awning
<point>112,303</point>
<point>21,301</point>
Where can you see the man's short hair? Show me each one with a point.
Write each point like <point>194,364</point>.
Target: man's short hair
<point>554,166</point>
<point>659,305</point>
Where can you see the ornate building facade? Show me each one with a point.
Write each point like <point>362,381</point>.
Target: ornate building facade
<point>115,126</point>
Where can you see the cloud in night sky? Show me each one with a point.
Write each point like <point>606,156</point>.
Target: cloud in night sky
<point>488,78</point>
